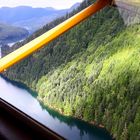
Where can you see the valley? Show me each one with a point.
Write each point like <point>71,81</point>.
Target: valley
<point>9,34</point>
<point>31,18</point>
<point>91,72</point>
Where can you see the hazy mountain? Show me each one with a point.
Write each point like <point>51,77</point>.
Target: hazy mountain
<point>10,33</point>
<point>74,7</point>
<point>31,18</point>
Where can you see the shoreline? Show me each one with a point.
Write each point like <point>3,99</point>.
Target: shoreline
<point>51,108</point>
<point>93,123</point>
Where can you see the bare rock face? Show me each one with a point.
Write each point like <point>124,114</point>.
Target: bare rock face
<point>130,11</point>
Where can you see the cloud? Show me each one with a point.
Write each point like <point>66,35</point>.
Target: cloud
<point>58,4</point>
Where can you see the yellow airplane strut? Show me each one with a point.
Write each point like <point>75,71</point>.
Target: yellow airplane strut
<point>52,34</point>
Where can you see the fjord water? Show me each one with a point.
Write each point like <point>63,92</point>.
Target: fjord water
<point>67,127</point>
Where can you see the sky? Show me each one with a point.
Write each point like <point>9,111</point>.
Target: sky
<point>57,4</point>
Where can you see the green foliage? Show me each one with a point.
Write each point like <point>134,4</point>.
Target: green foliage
<point>92,73</point>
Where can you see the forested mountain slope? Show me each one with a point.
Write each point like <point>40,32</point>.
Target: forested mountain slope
<point>92,73</point>
<point>10,33</point>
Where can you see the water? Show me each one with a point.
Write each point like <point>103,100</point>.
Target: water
<point>12,43</point>
<point>67,127</point>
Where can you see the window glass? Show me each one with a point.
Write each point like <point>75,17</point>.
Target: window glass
<point>86,83</point>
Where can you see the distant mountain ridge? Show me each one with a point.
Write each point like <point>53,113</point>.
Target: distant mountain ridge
<point>31,18</point>
<point>10,33</point>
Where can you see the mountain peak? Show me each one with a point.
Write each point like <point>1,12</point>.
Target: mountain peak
<point>50,8</point>
<point>75,5</point>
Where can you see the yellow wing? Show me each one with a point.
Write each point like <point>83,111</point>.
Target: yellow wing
<point>47,37</point>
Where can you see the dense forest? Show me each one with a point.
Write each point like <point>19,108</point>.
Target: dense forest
<point>91,72</point>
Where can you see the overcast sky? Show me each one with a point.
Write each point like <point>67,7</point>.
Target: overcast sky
<point>57,4</point>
